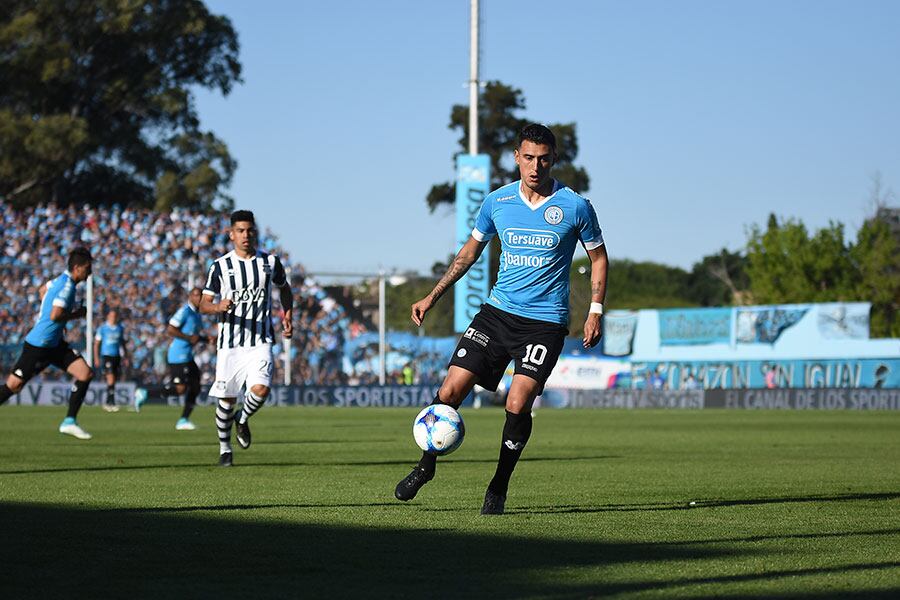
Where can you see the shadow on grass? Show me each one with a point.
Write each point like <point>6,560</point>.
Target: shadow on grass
<point>52,551</point>
<point>698,504</point>
<point>409,462</point>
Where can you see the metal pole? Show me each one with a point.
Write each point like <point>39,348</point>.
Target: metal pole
<point>381,318</point>
<point>287,344</point>
<point>473,78</point>
<point>89,329</point>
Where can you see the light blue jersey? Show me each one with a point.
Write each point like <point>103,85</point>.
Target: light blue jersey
<point>46,332</point>
<point>537,244</point>
<point>187,320</point>
<point>110,338</point>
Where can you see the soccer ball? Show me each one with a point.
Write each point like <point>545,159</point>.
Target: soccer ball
<point>438,429</point>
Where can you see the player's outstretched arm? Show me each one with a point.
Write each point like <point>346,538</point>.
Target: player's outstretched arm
<point>599,267</point>
<point>464,259</point>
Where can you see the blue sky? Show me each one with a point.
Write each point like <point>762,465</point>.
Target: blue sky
<point>695,118</point>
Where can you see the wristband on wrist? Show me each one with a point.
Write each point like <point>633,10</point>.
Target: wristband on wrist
<point>596,307</point>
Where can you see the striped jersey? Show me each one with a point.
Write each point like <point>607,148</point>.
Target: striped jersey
<point>248,283</point>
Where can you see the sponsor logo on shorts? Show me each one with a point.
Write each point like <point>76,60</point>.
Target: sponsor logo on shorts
<point>220,385</point>
<point>529,367</point>
<point>553,215</point>
<point>461,352</point>
<point>476,336</point>
<point>18,373</point>
<point>524,260</point>
<point>530,238</point>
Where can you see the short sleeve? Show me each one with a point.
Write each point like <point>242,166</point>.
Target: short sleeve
<point>279,277</point>
<point>213,280</point>
<point>99,336</point>
<point>484,221</point>
<point>65,298</point>
<point>177,319</point>
<point>588,227</point>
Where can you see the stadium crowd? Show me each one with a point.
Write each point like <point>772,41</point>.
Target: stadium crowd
<point>144,264</point>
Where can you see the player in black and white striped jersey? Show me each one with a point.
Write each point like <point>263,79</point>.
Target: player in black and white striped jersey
<point>239,291</point>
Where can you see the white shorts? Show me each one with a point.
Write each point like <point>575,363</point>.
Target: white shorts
<point>239,367</point>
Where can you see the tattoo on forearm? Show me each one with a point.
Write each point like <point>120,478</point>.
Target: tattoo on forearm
<point>457,269</point>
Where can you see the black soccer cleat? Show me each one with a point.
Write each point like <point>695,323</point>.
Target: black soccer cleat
<point>242,432</point>
<point>410,485</point>
<point>225,459</point>
<point>493,503</point>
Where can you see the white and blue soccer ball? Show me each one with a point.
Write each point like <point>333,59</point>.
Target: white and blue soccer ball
<point>439,429</point>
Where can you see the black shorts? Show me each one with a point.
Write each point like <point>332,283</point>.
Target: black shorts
<point>495,337</point>
<point>184,373</point>
<point>111,364</point>
<point>35,359</point>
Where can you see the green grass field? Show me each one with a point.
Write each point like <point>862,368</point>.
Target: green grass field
<point>603,504</point>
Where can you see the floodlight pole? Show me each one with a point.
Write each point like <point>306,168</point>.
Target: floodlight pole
<point>473,78</point>
<point>382,313</point>
<point>89,329</point>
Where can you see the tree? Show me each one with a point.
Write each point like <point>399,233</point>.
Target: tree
<point>876,258</point>
<point>498,127</point>
<point>96,103</point>
<point>786,264</point>
<point>719,279</point>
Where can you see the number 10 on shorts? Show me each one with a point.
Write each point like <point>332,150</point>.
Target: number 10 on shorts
<point>535,354</point>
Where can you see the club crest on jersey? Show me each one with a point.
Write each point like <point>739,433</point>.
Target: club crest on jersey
<point>267,268</point>
<point>553,215</point>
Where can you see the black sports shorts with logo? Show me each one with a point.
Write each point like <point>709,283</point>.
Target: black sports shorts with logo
<point>495,337</point>
<point>35,359</point>
<point>111,364</point>
<point>184,373</point>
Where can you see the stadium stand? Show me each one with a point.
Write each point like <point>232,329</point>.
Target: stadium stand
<point>143,263</point>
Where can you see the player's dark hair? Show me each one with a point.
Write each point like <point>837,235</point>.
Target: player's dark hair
<point>79,256</point>
<point>242,216</point>
<point>537,133</point>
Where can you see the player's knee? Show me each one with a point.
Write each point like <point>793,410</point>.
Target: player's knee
<point>260,391</point>
<point>88,375</point>
<point>15,384</point>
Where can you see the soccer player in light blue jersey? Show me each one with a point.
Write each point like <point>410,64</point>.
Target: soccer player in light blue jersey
<point>109,350</point>
<point>186,330</point>
<point>539,222</point>
<point>45,345</point>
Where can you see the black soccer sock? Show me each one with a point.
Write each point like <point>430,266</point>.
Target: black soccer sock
<point>110,394</point>
<point>516,432</point>
<point>76,398</point>
<point>428,462</point>
<point>5,393</point>
<point>190,400</point>
<point>224,421</point>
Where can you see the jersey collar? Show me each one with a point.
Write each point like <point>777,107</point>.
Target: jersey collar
<point>533,207</point>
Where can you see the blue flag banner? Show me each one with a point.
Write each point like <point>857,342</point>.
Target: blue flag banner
<point>473,181</point>
<point>695,326</point>
<point>764,324</point>
<point>618,332</point>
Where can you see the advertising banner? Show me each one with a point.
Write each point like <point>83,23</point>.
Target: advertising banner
<point>618,332</point>
<point>473,181</point>
<point>56,393</point>
<point>767,374</point>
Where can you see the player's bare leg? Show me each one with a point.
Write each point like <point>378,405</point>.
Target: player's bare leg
<point>457,385</point>
<point>12,387</point>
<point>253,401</point>
<point>516,432</point>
